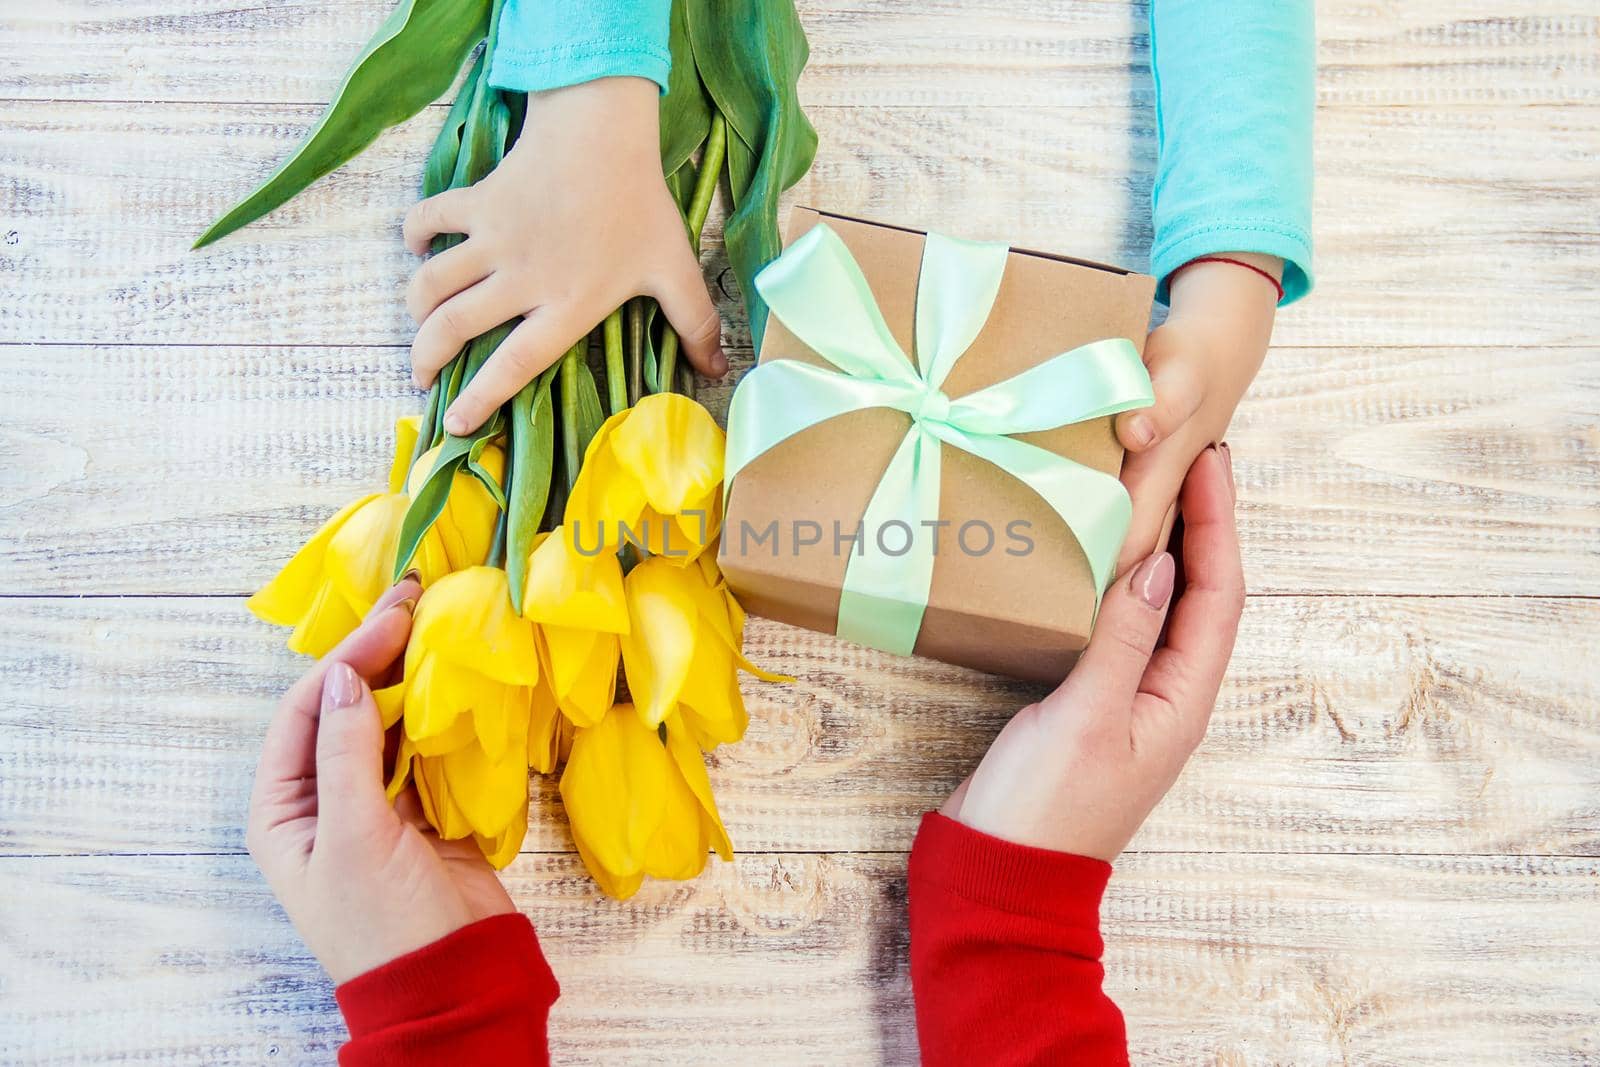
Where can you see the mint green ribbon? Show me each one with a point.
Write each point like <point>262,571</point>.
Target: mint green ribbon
<point>816,288</point>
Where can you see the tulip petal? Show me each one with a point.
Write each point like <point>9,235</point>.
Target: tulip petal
<point>329,620</point>
<point>544,729</point>
<point>391,701</point>
<point>566,587</point>
<point>673,448</point>
<point>407,429</point>
<point>583,671</point>
<point>711,704</point>
<point>489,792</point>
<point>614,789</point>
<point>501,850</point>
<point>658,651</point>
<point>285,599</point>
<point>617,885</point>
<point>467,618</point>
<point>438,806</point>
<point>605,496</point>
<point>360,557</point>
<point>692,766</point>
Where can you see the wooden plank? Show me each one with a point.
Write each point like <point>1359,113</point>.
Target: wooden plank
<point>187,469</point>
<point>1349,724</point>
<point>802,959</point>
<point>1436,227</point>
<point>863,52</point>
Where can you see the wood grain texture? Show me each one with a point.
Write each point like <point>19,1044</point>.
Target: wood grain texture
<point>801,959</point>
<point>1442,226</point>
<point>1347,725</point>
<point>1383,853</point>
<point>193,469</point>
<point>863,52</point>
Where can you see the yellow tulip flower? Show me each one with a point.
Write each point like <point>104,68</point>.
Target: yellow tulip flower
<point>578,601</point>
<point>652,474</point>
<point>640,803</point>
<point>471,667</point>
<point>333,581</point>
<point>476,713</point>
<point>683,650</point>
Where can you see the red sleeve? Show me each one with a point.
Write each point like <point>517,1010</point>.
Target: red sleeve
<point>480,996</point>
<point>1005,952</point>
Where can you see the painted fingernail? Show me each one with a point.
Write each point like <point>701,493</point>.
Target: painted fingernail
<point>1227,461</point>
<point>408,605</point>
<point>1142,430</point>
<point>455,422</point>
<point>1153,579</point>
<point>340,687</point>
<point>412,575</point>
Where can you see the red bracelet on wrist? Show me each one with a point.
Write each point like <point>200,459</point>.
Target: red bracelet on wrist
<point>1237,263</point>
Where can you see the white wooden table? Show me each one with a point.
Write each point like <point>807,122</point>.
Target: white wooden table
<point>1387,850</point>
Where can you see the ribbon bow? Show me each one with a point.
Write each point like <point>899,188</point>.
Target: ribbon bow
<point>816,288</point>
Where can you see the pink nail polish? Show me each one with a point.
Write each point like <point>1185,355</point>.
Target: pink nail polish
<point>1153,579</point>
<point>341,688</point>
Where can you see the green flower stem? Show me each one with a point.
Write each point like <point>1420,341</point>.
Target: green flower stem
<point>705,186</point>
<point>569,408</point>
<point>428,424</point>
<point>497,547</point>
<point>635,349</point>
<point>449,383</point>
<point>616,375</point>
<point>665,376</point>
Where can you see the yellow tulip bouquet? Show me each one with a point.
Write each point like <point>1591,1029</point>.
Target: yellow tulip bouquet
<point>572,615</point>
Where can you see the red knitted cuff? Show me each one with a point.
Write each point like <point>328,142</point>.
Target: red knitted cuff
<point>491,956</point>
<point>1021,879</point>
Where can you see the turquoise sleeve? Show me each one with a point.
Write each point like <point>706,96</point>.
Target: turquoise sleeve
<point>1235,92</point>
<point>545,44</point>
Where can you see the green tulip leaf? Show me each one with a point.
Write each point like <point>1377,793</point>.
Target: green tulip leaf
<point>441,165</point>
<point>749,54</point>
<point>589,411</point>
<point>685,108</point>
<point>533,452</point>
<point>410,62</point>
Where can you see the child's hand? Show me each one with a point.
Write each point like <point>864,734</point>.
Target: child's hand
<point>1079,771</point>
<point>575,220</point>
<point>1201,360</point>
<point>361,881</point>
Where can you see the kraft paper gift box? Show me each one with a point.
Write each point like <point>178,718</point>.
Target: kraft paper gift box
<point>1021,606</point>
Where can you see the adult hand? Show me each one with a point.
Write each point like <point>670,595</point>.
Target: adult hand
<point>363,882</point>
<point>575,220</point>
<point>1079,771</point>
<point>1201,360</point>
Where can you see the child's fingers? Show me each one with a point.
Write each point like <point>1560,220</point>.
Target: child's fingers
<point>1152,480</point>
<point>1178,395</point>
<point>442,276</point>
<point>1107,675</point>
<point>688,308</point>
<point>540,339</point>
<point>471,312</point>
<point>1180,687</point>
<point>445,212</point>
<point>350,796</point>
